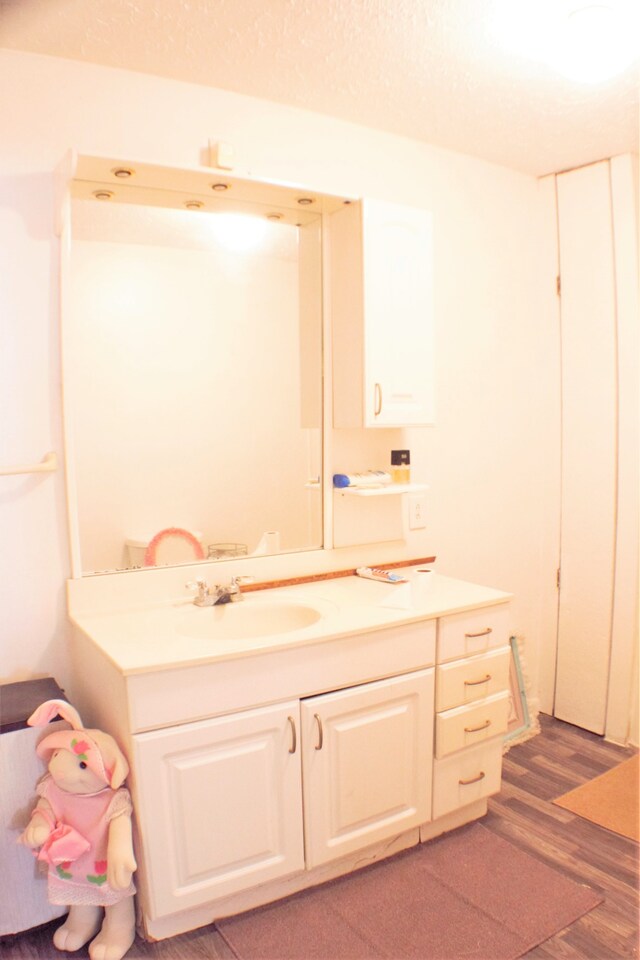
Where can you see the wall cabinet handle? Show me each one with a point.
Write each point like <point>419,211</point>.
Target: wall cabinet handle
<point>465,783</point>
<point>294,735</point>
<point>316,717</point>
<point>377,400</point>
<point>474,683</point>
<point>482,633</point>
<point>483,726</point>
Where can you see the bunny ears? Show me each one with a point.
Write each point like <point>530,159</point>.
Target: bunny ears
<point>55,708</point>
<point>97,749</point>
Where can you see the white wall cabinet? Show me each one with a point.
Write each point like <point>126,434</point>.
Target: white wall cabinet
<point>382,315</point>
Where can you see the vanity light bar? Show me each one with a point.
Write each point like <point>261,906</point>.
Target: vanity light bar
<point>182,183</point>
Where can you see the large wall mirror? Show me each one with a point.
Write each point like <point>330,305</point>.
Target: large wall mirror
<point>193,365</point>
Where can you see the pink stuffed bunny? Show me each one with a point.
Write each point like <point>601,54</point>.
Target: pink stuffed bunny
<point>82,825</point>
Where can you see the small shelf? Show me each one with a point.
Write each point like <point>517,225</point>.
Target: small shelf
<point>390,490</point>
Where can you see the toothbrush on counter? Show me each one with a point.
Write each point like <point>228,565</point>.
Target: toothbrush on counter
<point>386,576</point>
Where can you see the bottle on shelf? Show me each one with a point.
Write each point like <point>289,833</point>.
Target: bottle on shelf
<point>401,466</point>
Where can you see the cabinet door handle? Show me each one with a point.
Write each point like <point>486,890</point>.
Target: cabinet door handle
<point>294,735</point>
<point>377,390</point>
<point>465,783</point>
<point>482,633</point>
<point>316,717</point>
<point>483,726</point>
<point>474,683</point>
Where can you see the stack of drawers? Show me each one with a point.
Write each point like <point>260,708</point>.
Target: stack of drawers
<point>472,706</point>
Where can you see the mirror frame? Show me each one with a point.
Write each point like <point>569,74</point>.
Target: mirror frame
<point>81,176</point>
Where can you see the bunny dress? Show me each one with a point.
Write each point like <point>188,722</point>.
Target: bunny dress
<point>76,849</point>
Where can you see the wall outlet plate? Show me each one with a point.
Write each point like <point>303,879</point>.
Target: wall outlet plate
<point>417,511</point>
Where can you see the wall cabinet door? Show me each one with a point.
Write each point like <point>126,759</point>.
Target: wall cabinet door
<point>367,762</point>
<point>382,312</point>
<point>219,805</point>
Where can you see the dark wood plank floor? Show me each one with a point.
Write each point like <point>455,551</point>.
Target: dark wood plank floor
<point>559,758</point>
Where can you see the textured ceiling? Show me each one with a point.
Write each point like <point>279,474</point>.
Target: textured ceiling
<point>433,70</point>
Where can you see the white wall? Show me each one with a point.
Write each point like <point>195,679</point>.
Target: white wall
<point>490,461</point>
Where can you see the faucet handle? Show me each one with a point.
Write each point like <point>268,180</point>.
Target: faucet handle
<point>235,593</point>
<point>200,585</point>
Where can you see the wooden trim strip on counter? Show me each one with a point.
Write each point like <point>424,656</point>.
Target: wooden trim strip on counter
<point>329,575</point>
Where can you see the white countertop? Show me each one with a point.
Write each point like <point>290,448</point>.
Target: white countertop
<point>149,637</point>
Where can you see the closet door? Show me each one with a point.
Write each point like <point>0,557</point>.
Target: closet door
<point>589,427</point>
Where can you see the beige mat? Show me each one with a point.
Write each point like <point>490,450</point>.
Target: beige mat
<point>611,800</point>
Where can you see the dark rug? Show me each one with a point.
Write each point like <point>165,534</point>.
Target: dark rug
<point>469,894</point>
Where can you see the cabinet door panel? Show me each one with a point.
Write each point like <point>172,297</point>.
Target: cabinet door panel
<point>367,764</point>
<point>398,314</point>
<point>219,806</point>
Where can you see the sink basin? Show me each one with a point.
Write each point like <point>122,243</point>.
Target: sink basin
<point>249,618</point>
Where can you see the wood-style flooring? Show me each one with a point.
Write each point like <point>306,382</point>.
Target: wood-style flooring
<point>559,758</point>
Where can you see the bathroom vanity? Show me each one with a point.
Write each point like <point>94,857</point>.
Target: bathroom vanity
<point>295,736</point>
<point>307,730</point>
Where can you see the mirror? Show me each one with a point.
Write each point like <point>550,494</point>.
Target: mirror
<point>193,367</point>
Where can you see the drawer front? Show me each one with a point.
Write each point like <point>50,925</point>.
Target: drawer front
<point>465,726</point>
<point>468,634</point>
<point>465,777</point>
<point>473,678</point>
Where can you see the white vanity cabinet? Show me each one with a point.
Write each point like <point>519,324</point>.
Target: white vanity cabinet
<point>381,266</point>
<point>472,707</point>
<point>221,801</point>
<point>269,766</point>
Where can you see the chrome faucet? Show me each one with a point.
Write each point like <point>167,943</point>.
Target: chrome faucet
<point>220,593</point>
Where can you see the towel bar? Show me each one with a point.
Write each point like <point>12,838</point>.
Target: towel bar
<point>48,464</point>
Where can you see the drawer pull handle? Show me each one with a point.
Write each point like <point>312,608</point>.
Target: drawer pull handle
<point>474,683</point>
<point>465,783</point>
<point>483,726</point>
<point>377,400</point>
<point>316,717</point>
<point>294,735</point>
<point>482,633</point>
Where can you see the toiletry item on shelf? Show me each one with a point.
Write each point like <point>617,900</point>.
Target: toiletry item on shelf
<point>385,576</point>
<point>268,544</point>
<point>400,466</point>
<point>371,478</point>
